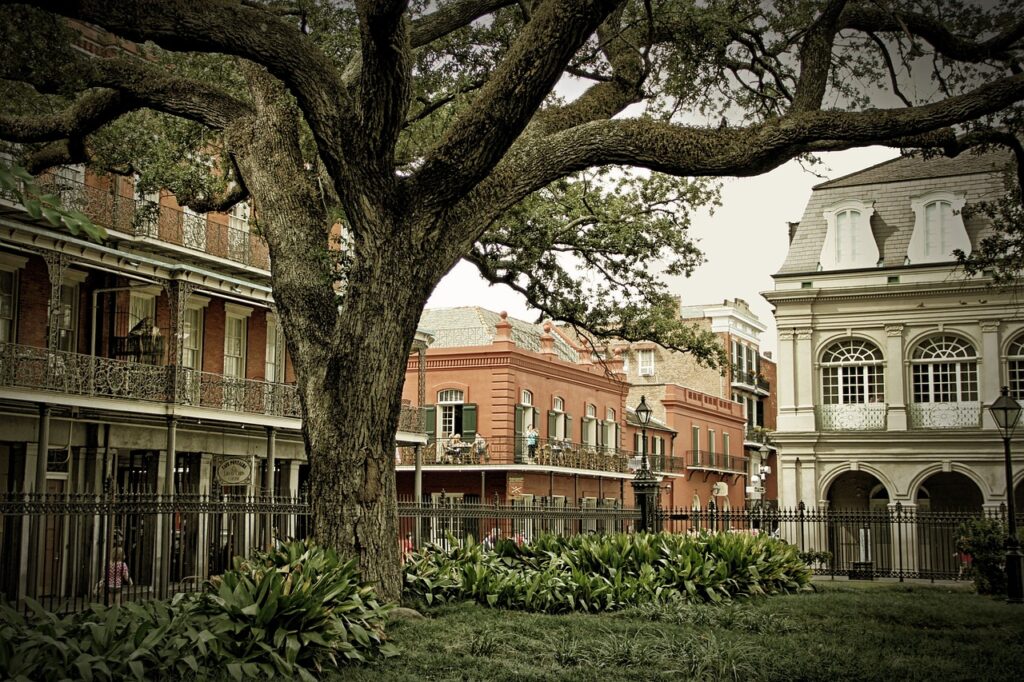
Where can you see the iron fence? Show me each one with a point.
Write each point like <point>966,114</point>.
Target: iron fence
<point>58,548</point>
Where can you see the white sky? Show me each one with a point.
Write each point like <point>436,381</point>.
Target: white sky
<point>744,243</point>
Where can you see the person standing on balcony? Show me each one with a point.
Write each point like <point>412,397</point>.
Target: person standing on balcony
<point>480,448</point>
<point>531,442</point>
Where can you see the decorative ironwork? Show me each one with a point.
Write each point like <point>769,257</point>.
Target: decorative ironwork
<point>151,220</point>
<point>705,460</point>
<point>508,451</point>
<point>76,374</point>
<point>857,417</point>
<point>961,415</point>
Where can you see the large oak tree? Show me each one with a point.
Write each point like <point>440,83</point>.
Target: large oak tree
<point>555,144</point>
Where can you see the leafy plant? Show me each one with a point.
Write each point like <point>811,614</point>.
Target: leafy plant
<point>816,558</point>
<point>18,184</point>
<point>594,573</point>
<point>984,539</point>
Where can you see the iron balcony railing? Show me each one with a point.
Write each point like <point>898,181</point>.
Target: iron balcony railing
<point>859,417</point>
<point>750,378</point>
<point>148,219</point>
<point>962,415</point>
<point>705,460</point>
<point>86,375</point>
<point>757,434</point>
<point>507,451</point>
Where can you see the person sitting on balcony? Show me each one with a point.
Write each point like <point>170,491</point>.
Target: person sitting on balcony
<point>480,448</point>
<point>455,447</point>
<point>531,443</point>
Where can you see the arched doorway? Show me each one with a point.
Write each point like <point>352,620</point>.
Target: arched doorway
<point>857,491</point>
<point>944,501</point>
<point>949,491</point>
<point>859,529</point>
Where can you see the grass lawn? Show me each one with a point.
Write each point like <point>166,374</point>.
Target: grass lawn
<point>845,631</point>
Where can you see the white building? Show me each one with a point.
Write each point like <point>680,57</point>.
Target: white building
<point>888,355</point>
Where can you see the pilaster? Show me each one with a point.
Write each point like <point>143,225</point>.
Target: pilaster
<point>895,391</point>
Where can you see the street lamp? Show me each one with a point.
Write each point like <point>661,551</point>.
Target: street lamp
<point>1006,413</point>
<point>645,484</point>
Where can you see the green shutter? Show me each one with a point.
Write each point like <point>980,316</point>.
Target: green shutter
<point>468,422</point>
<point>568,427</point>
<point>552,423</point>
<point>518,430</point>
<point>430,420</point>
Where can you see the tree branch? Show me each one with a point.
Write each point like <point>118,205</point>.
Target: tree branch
<point>482,135</point>
<point>816,58</point>
<point>384,77</point>
<point>452,17</point>
<point>92,110</point>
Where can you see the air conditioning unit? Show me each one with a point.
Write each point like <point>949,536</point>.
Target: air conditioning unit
<point>720,489</point>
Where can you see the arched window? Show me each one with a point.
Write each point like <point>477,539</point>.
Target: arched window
<point>938,227</point>
<point>945,370</point>
<point>558,405</point>
<point>851,373</point>
<point>1015,367</point>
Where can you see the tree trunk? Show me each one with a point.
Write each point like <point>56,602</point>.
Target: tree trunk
<point>349,363</point>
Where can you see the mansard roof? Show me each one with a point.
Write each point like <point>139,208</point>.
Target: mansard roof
<point>889,187</point>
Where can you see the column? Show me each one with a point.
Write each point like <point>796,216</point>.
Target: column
<point>895,393</point>
<point>36,545</point>
<point>421,399</point>
<point>292,484</point>
<point>203,534</point>
<point>989,366</point>
<point>167,519</point>
<point>56,266</point>
<point>178,293</point>
<point>804,365</point>
<point>904,538</point>
<point>268,486</point>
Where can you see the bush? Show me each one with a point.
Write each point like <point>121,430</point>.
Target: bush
<point>290,614</point>
<point>985,541</point>
<point>593,573</point>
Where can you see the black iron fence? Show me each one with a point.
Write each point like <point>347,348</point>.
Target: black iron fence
<point>66,550</point>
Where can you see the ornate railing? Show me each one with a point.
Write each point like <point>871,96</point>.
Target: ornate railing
<point>411,419</point>
<point>757,434</point>
<point>148,219</point>
<point>505,451</point>
<point>705,460</point>
<point>77,374</point>
<point>860,417</point>
<point>963,415</point>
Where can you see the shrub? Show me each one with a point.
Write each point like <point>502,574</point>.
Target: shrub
<point>286,614</point>
<point>605,572</point>
<point>984,540</point>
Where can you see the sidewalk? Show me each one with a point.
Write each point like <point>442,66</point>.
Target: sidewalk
<point>960,585</point>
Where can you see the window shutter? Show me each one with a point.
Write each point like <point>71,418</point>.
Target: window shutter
<point>552,423</point>
<point>468,422</point>
<point>430,420</point>
<point>518,430</point>
<point>618,436</point>
<point>568,427</point>
<point>536,418</point>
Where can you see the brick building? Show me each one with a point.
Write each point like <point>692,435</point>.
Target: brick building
<point>497,376</point>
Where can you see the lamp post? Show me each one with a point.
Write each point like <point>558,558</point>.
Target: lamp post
<point>645,484</point>
<point>1006,413</point>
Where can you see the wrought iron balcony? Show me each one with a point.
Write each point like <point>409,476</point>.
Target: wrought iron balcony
<point>508,451</point>
<point>703,460</point>
<point>757,434</point>
<point>151,220</point>
<point>858,417</point>
<point>85,375</point>
<point>750,379</point>
<point>962,415</point>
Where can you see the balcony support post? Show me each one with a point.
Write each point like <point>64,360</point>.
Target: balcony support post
<point>36,545</point>
<point>170,463</point>
<point>268,486</point>
<point>417,486</point>
<point>896,415</point>
<point>178,293</point>
<point>56,266</point>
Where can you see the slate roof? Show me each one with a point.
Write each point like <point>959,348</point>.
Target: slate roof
<point>474,326</point>
<point>890,186</point>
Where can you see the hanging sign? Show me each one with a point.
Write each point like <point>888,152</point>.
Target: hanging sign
<point>234,471</point>
<point>515,487</point>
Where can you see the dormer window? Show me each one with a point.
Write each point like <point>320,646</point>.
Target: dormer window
<point>849,242</point>
<point>938,228</point>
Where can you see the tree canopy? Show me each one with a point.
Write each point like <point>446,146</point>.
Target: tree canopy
<point>557,145</point>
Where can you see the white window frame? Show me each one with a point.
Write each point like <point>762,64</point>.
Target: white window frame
<point>645,362</point>
<point>526,398</point>
<point>449,400</point>
<point>863,378</point>
<point>12,264</point>
<point>558,407</point>
<point>271,371</point>
<point>954,234</point>
<point>71,282</point>
<point>238,231</point>
<point>961,371</point>
<point>866,253</point>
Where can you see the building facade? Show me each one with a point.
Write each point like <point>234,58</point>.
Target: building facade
<point>495,376</point>
<point>152,363</point>
<point>889,356</point>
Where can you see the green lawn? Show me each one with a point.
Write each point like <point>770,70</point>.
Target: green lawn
<point>845,631</point>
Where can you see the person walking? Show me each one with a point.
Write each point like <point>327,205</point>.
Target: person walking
<point>117,575</point>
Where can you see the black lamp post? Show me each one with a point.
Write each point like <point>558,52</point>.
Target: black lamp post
<point>645,484</point>
<point>1006,413</point>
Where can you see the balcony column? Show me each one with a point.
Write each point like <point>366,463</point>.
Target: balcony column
<point>178,293</point>
<point>787,380</point>
<point>268,486</point>
<point>56,266</point>
<point>421,399</point>
<point>170,457</point>
<point>895,393</point>
<point>804,365</point>
<point>989,366</point>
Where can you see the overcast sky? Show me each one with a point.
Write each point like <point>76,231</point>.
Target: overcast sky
<point>744,242</point>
